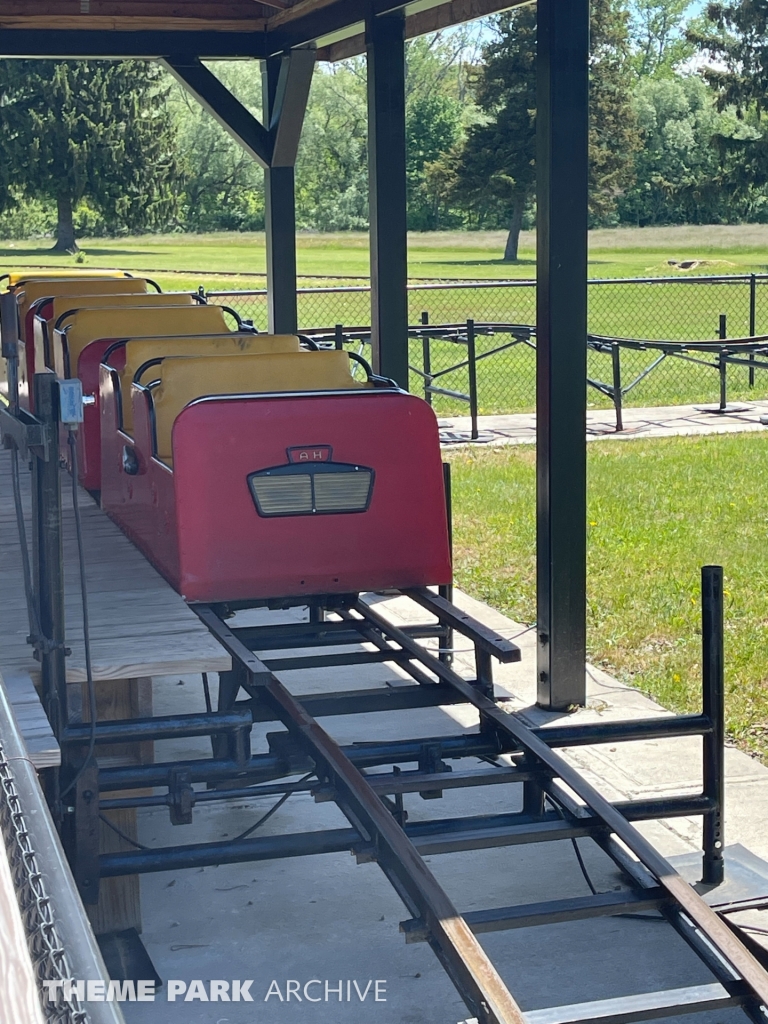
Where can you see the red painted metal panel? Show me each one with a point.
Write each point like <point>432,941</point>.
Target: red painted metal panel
<point>208,538</point>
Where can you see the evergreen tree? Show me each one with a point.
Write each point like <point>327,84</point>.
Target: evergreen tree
<point>95,130</point>
<point>735,36</point>
<point>496,165</point>
<point>613,133</point>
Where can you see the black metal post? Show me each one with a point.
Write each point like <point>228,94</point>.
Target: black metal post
<point>280,224</point>
<point>752,322</point>
<point>385,48</point>
<point>617,394</point>
<point>446,590</point>
<point>713,685</point>
<point>722,333</point>
<point>9,341</point>
<point>338,336</point>
<point>472,369</point>
<point>426,358</point>
<point>48,555</point>
<point>561,316</point>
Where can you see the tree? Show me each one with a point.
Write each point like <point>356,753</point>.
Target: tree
<point>657,32</point>
<point>613,134</point>
<point>496,165</point>
<point>94,130</point>
<point>222,185</point>
<point>432,126</point>
<point>679,170</point>
<point>332,167</point>
<point>735,36</point>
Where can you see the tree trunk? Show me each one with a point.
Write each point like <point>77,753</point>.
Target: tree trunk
<point>515,226</point>
<point>65,228</point>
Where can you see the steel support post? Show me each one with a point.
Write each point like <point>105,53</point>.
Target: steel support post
<point>713,680</point>
<point>562,62</point>
<point>385,49</point>
<point>48,556</point>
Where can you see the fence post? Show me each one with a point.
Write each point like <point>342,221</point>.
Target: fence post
<point>427,359</point>
<point>617,395</point>
<point>752,319</point>
<point>472,377</point>
<point>446,589</point>
<point>723,334</point>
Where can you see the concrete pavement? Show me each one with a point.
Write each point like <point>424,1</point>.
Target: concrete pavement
<point>659,421</point>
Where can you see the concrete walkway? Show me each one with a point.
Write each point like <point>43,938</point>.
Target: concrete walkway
<point>659,421</point>
<point>328,918</point>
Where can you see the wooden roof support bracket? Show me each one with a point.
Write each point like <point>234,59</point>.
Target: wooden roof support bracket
<point>275,146</point>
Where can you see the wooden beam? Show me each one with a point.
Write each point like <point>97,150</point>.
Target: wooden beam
<point>86,22</point>
<point>230,113</point>
<point>286,116</point>
<point>234,10</point>
<point>455,12</point>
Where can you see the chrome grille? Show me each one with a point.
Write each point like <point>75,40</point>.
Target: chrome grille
<point>283,495</point>
<point>337,491</point>
<point>297,490</point>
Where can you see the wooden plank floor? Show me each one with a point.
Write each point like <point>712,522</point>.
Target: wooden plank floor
<point>140,627</point>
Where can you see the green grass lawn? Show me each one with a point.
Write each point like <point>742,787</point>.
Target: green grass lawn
<point>622,252</point>
<point>682,311</point>
<point>658,511</point>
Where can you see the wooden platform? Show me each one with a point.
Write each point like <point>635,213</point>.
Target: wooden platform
<point>140,627</point>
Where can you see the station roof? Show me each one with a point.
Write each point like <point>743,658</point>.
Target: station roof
<point>213,28</point>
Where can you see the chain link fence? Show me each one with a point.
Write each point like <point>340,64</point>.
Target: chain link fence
<point>63,952</point>
<point>663,308</point>
<point>46,950</point>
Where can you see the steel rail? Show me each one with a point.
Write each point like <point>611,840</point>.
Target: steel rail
<point>718,933</point>
<point>453,942</point>
<point>386,842</point>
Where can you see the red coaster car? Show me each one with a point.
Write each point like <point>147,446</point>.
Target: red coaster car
<point>29,289</point>
<point>80,340</point>
<point>275,476</point>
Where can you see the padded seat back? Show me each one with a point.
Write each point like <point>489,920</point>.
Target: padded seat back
<point>63,303</point>
<point>30,291</point>
<point>17,277</point>
<point>87,325</point>
<point>138,352</point>
<point>184,380</point>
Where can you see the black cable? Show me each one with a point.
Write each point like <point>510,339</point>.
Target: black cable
<point>86,622</point>
<point>583,866</point>
<point>34,622</point>
<point>276,807</point>
<point>243,835</point>
<point>632,917</point>
<point>133,842</point>
<point>207,694</point>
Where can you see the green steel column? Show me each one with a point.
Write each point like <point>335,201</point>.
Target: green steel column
<point>385,48</point>
<point>561,315</point>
